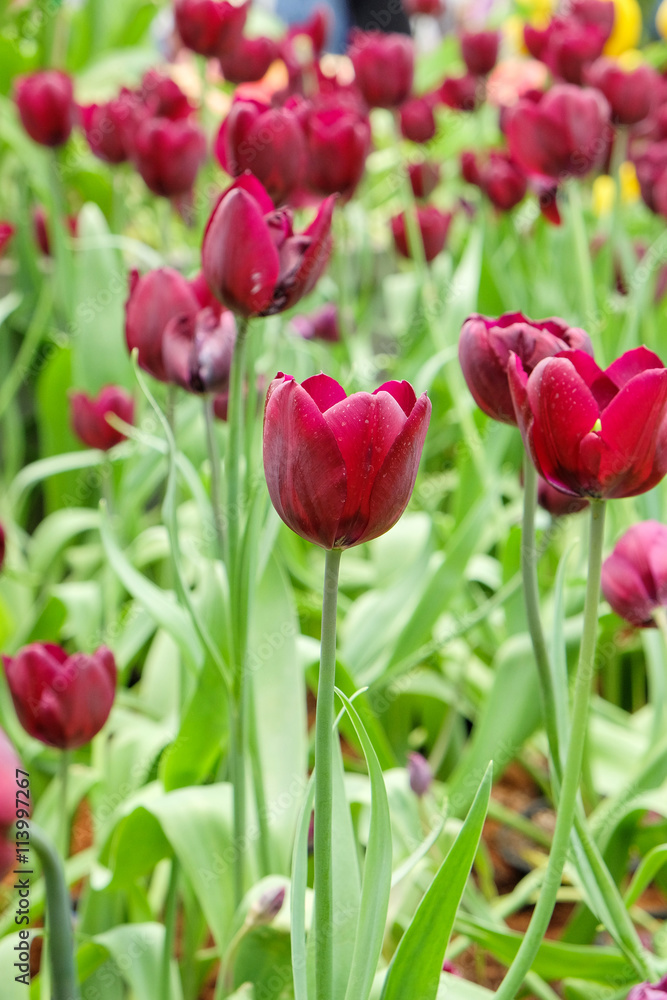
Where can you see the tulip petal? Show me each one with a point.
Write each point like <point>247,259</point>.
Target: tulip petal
<point>632,363</point>
<point>402,392</point>
<point>624,587</point>
<point>324,390</point>
<point>601,385</point>
<point>304,468</point>
<point>634,429</point>
<point>314,252</point>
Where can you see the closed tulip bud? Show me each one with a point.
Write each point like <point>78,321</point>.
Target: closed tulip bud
<point>594,433</point>
<point>565,132</point>
<point>154,300</point>
<point>320,325</point>
<point>470,168</point>
<point>89,415</point>
<point>341,469</point>
<point>647,991</point>
<point>163,97</point>
<point>7,230</point>
<point>634,576</point>
<point>384,66</point>
<point>631,94</point>
<point>502,181</point>
<point>206,26</point>
<point>338,139</point>
<point>252,259</point>
<point>433,225</point>
<point>61,700</point>
<point>197,350</point>
<point>269,142</point>
<point>420,774</point>
<point>417,119</point>
<point>248,60</point>
<point>106,127</point>
<point>571,48</point>
<point>267,907</point>
<point>462,93</point>
<point>480,51</point>
<point>45,101</point>
<point>486,346</point>
<point>168,155</point>
<point>424,178</point>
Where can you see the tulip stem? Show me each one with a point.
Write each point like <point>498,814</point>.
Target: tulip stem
<point>583,258</point>
<point>58,907</point>
<point>214,462</point>
<point>571,771</point>
<point>324,737</point>
<point>64,815</point>
<point>170,908</point>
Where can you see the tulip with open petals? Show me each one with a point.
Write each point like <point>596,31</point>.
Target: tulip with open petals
<point>341,469</point>
<point>89,416</point>
<point>634,576</point>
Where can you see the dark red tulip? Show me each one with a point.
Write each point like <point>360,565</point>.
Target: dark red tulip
<point>110,127</point>
<point>651,167</point>
<point>341,469</point>
<point>7,230</point>
<point>486,345</point>
<point>631,94</point>
<point>480,51</point>
<point>634,576</point>
<point>571,48</point>
<point>204,295</point>
<point>61,700</point>
<point>338,138</point>
<point>154,300</point>
<point>252,259</point>
<point>536,40</point>
<point>417,119</point>
<point>557,503</point>
<point>320,325</point>
<point>420,774</point>
<point>384,67</point>
<point>207,26</point>
<point>10,766</point>
<point>424,178</point>
<point>315,29</point>
<point>434,226</point>
<point>649,991</point>
<point>89,421</point>
<point>470,167</point>
<point>248,60</point>
<point>163,97</point>
<point>502,181</point>
<point>45,101</point>
<point>269,142</point>
<point>565,133</point>
<point>432,8</point>
<point>463,93</point>
<point>594,433</point>
<point>168,155</point>
<point>600,13</point>
<point>197,350</point>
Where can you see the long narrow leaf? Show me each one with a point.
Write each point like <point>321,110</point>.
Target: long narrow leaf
<point>298,896</point>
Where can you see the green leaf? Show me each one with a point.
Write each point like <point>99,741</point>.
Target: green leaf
<point>417,965</point>
<point>298,896</point>
<point>649,867</point>
<point>137,953</point>
<point>11,990</point>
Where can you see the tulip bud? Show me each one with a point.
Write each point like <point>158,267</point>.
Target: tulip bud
<point>424,178</point>
<point>168,155</point>
<point>460,92</point>
<point>61,700</point>
<point>320,325</point>
<point>432,8</point>
<point>163,97</point>
<point>341,469</point>
<point>447,966</point>
<point>105,127</point>
<point>384,67</point>
<point>631,94</point>
<point>338,138</point>
<point>499,177</point>
<point>480,51</point>
<point>248,60</point>
<point>420,773</point>
<point>45,101</point>
<point>154,299</point>
<point>417,119</point>
<point>647,991</point>
<point>89,421</point>
<point>267,907</point>
<point>197,350</point>
<point>634,576</point>
<point>7,230</point>
<point>433,225</point>
<point>571,48</point>
<point>207,26</point>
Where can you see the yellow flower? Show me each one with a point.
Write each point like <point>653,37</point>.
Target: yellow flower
<point>604,195</point>
<point>627,27</point>
<point>627,175</point>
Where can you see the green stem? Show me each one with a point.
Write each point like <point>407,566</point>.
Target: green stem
<point>64,814</point>
<point>582,257</point>
<point>216,485</point>
<point>238,775</point>
<point>20,370</point>
<point>235,411</point>
<point>61,941</point>
<point>571,771</point>
<point>324,737</point>
<point>170,909</point>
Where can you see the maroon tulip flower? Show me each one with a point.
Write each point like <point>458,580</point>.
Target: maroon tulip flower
<point>486,345</point>
<point>462,93</point>
<point>424,178</point>
<point>248,60</point>
<point>338,137</point>
<point>154,300</point>
<point>45,101</point>
<point>634,576</point>
<point>341,469</point>
<point>204,295</point>
<point>420,774</point>
<point>168,155</point>
<point>571,47</point>
<point>651,168</point>
<point>480,51</point>
<point>89,421</point>
<point>433,225</point>
<point>61,700</point>
<point>252,259</point>
<point>430,8</point>
<point>499,177</point>
<point>649,991</point>
<point>384,67</point>
<point>594,433</point>
<point>106,127</point>
<point>163,97</point>
<point>565,133</point>
<point>600,13</point>
<point>315,29</point>
<point>9,765</point>
<point>320,325</point>
<point>417,119</point>
<point>269,142</point>
<point>209,26</point>
<point>7,230</point>
<point>197,350</point>
<point>631,94</point>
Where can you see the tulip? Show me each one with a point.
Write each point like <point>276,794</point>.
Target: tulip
<point>341,469</point>
<point>420,774</point>
<point>105,126</point>
<point>9,766</point>
<point>451,969</point>
<point>648,991</point>
<point>432,8</point>
<point>600,13</point>
<point>338,138</point>
<point>89,421</point>
<point>168,155</point>
<point>248,60</point>
<point>501,180</point>
<point>557,503</point>
<point>315,29</point>
<point>163,97</point>
<point>203,294</point>
<point>252,259</point>
<point>7,230</point>
<point>433,225</point>
<point>45,102</point>
<point>460,92</point>
<point>485,347</point>
<point>320,325</point>
<point>651,168</point>
<point>384,67</point>
<point>267,907</point>
<point>594,433</point>
<point>470,168</point>
<point>631,94</point>
<point>634,576</point>
<point>572,47</point>
<point>424,178</point>
<point>61,700</point>
<point>154,299</point>
<point>197,350</point>
<point>480,51</point>
<point>565,133</point>
<point>269,142</point>
<point>417,119</point>
<point>207,26</point>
